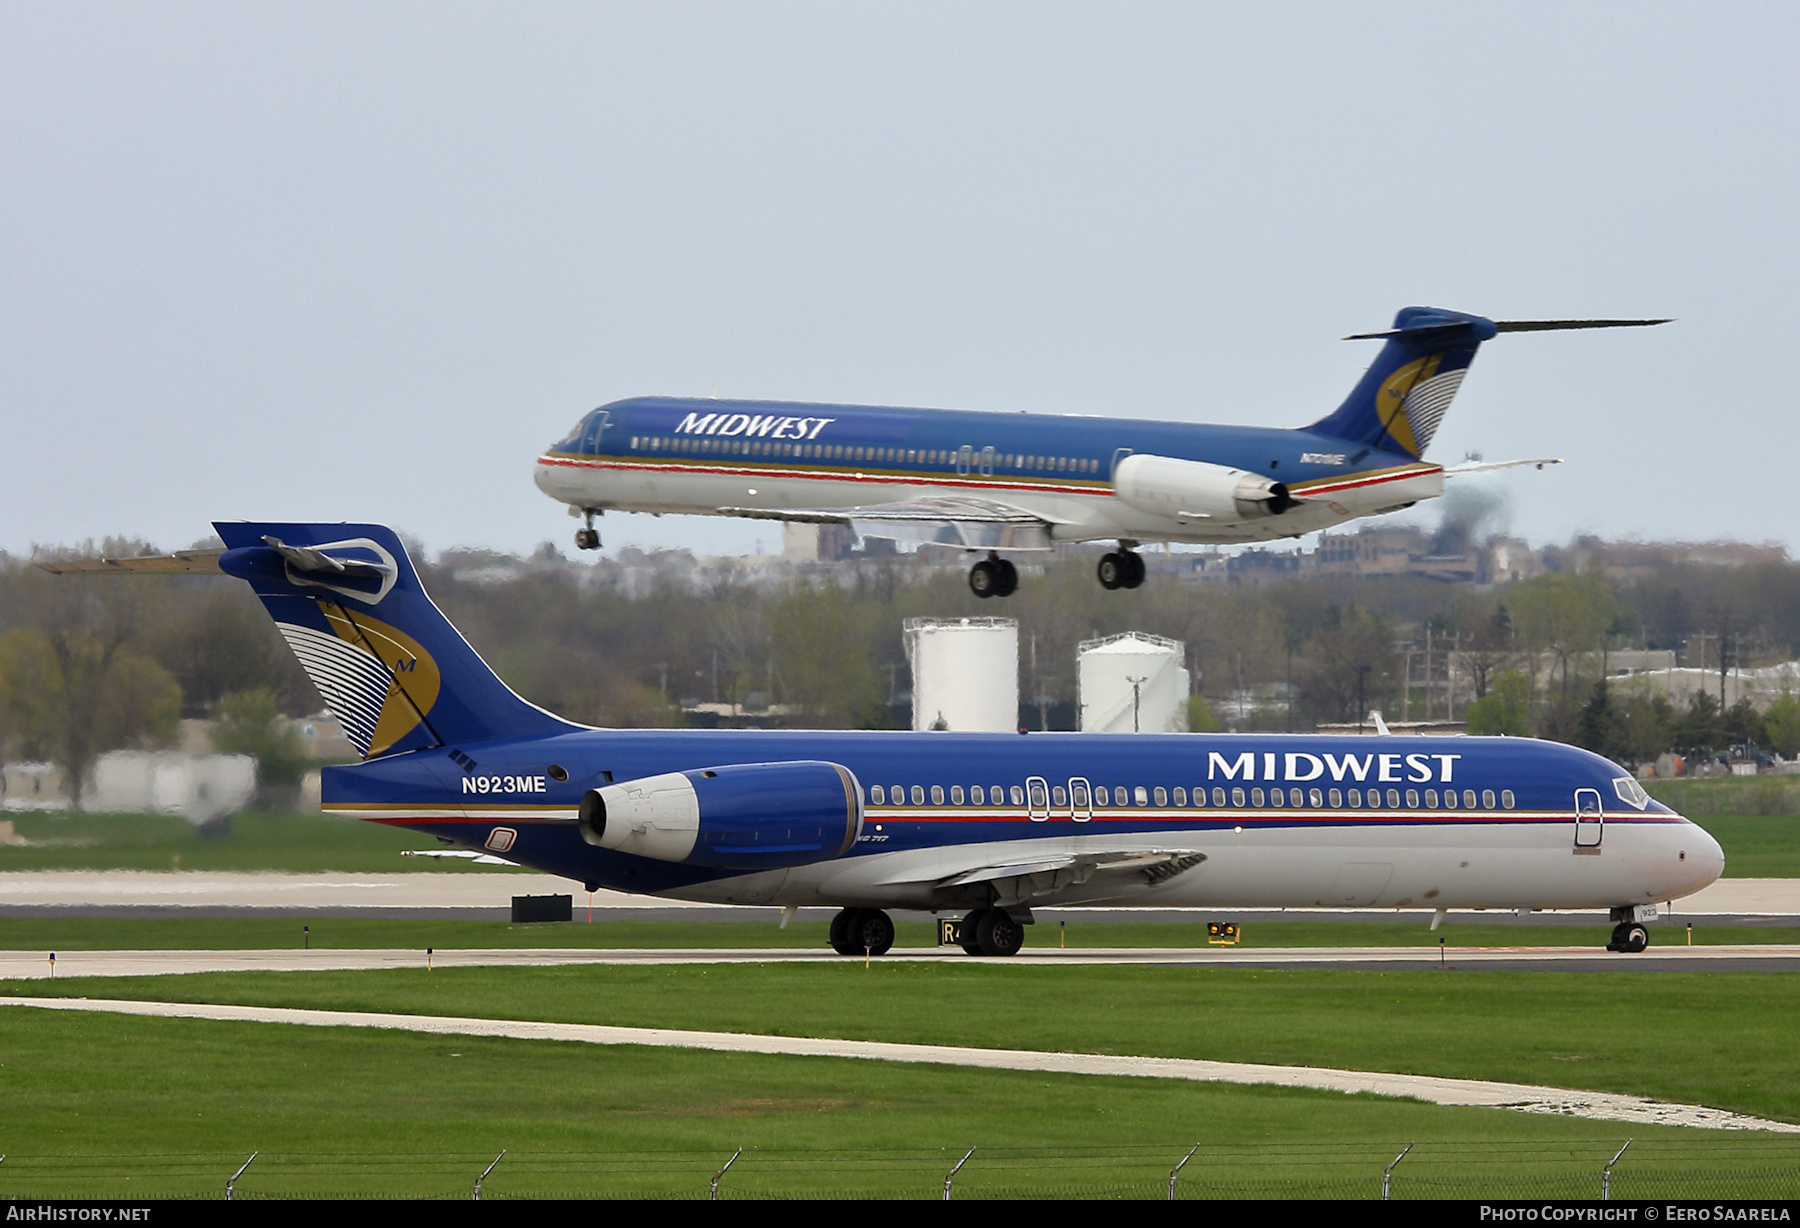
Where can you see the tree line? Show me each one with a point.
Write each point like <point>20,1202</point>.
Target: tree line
<point>94,663</point>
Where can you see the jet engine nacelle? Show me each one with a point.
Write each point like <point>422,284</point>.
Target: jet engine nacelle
<point>1195,490</point>
<point>744,816</point>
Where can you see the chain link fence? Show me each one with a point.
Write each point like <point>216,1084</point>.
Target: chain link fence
<point>1744,1167</point>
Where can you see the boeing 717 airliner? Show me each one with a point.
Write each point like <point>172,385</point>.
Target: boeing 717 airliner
<point>987,825</point>
<point>997,484</point>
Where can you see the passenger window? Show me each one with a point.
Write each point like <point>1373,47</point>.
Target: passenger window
<point>1101,796</point>
<point>899,795</point>
<point>878,795</point>
<point>977,795</point>
<point>1180,796</point>
<point>1140,797</point>
<point>1450,799</point>
<point>1355,797</point>
<point>1506,798</point>
<point>918,795</point>
<point>1276,798</point>
<point>1219,796</point>
<point>1162,796</point>
<point>1237,797</point>
<point>1018,796</point>
<point>1412,799</point>
<point>1297,797</point>
<point>1431,799</point>
<point>1337,797</point>
<point>1256,797</point>
<point>956,795</point>
<point>1318,799</point>
<point>1393,799</point>
<point>1059,797</point>
<point>1487,798</point>
<point>1469,799</point>
<point>937,795</point>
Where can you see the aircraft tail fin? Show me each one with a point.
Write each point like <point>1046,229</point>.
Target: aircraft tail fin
<point>388,663</point>
<point>1403,396</point>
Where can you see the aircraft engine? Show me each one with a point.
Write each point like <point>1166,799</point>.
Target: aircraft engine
<point>1195,490</point>
<point>749,816</point>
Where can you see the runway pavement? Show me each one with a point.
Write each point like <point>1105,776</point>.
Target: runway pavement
<point>35,965</point>
<point>487,895</point>
<point>1528,1098</point>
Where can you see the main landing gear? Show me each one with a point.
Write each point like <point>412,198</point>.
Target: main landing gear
<point>858,930</point>
<point>1123,569</point>
<point>587,538</point>
<point>1630,937</point>
<point>993,577</point>
<point>992,931</point>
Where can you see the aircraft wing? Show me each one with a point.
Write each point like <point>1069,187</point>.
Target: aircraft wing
<point>1483,467</point>
<point>973,524</point>
<point>1018,882</point>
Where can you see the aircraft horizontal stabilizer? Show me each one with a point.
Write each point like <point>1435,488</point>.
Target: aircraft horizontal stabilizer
<point>182,562</point>
<point>1484,466</point>
<point>1557,326</point>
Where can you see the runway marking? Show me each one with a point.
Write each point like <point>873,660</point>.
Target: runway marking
<point>1600,1106</point>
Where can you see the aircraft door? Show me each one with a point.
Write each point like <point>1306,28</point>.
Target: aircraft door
<point>963,459</point>
<point>1037,799</point>
<point>987,462</point>
<point>1081,800</point>
<point>1590,820</point>
<point>597,423</point>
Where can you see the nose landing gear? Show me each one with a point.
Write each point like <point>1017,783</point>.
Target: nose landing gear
<point>993,577</point>
<point>1629,937</point>
<point>587,538</point>
<point>1123,569</point>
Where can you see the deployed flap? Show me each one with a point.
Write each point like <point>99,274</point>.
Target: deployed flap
<point>974,524</point>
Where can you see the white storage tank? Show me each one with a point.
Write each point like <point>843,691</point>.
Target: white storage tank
<point>965,673</point>
<point>1132,683</point>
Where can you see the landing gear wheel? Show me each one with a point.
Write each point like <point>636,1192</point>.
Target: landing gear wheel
<point>998,934</point>
<point>1009,579</point>
<point>587,539</point>
<point>1112,571</point>
<point>872,931</point>
<point>984,580</point>
<point>1629,937</point>
<point>970,924</point>
<point>1134,563</point>
<point>840,931</point>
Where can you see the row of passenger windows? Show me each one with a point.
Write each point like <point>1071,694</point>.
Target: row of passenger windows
<point>1079,794</point>
<point>849,452</point>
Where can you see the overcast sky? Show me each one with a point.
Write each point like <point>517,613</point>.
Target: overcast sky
<point>364,261</point>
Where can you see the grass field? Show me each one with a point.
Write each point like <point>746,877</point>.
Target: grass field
<point>264,933</point>
<point>1756,845</point>
<point>110,1106</point>
<point>1713,1038</point>
<point>295,843</point>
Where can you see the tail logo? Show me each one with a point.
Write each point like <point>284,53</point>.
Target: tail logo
<point>1412,401</point>
<point>377,680</point>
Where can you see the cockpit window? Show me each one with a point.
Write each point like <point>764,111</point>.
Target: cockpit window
<point>1631,792</point>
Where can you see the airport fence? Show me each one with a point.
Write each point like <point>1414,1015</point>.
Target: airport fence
<point>1747,1166</point>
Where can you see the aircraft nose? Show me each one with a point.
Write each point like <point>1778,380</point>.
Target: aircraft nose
<point>1704,854</point>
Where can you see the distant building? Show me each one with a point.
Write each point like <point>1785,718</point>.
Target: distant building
<point>1132,683</point>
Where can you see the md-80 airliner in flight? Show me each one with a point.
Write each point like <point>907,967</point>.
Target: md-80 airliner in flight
<point>987,825</point>
<point>1001,483</point>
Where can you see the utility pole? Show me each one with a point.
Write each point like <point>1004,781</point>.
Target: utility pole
<point>1135,697</point>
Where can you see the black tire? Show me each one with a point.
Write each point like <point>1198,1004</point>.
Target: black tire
<point>998,934</point>
<point>871,930</point>
<point>1009,579</point>
<point>1617,941</point>
<point>970,924</point>
<point>840,931</point>
<point>587,539</point>
<point>1636,939</point>
<point>1111,572</point>
<point>983,579</point>
<point>1134,569</point>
